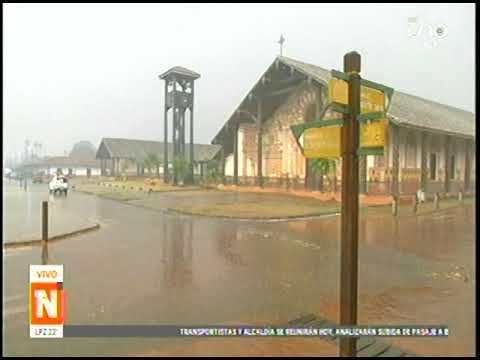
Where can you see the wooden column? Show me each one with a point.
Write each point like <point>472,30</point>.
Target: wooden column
<point>192,158</point>
<point>362,165</point>
<point>165,137</point>
<point>424,162</point>
<point>174,130</point>
<point>182,133</point>
<point>112,167</point>
<point>447,164</point>
<point>259,144</point>
<point>222,163</point>
<point>235,153</point>
<point>394,130</point>
<point>467,165</point>
<point>174,143</point>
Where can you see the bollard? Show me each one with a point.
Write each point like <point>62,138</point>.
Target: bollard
<point>460,197</point>
<point>44,253</point>
<point>45,220</point>
<point>25,183</point>
<point>394,205</point>
<point>415,203</point>
<point>436,201</point>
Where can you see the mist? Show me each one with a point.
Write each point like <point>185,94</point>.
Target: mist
<point>85,71</point>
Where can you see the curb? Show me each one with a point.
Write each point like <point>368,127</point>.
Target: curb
<point>263,219</point>
<point>17,244</point>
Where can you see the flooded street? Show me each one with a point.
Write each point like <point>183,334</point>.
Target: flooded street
<point>22,215</point>
<point>148,267</point>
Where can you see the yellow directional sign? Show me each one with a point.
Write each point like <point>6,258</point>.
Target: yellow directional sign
<point>322,142</point>
<point>326,142</point>
<point>371,100</point>
<point>374,134</point>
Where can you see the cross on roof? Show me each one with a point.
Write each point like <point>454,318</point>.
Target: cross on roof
<point>281,41</point>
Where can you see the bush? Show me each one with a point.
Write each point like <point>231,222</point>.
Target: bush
<point>213,172</point>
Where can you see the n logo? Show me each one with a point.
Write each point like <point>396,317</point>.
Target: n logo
<point>47,298</point>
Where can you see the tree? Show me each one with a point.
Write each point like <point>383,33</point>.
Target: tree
<point>180,169</point>
<point>213,173</point>
<point>152,161</point>
<point>325,167</point>
<point>124,166</point>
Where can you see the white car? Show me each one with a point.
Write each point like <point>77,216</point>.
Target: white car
<point>59,184</point>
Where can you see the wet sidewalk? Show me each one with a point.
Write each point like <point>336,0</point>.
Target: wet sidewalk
<point>22,218</point>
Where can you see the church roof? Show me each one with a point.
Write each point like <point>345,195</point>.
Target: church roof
<point>405,110</point>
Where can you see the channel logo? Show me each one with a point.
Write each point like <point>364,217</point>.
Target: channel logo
<point>47,301</point>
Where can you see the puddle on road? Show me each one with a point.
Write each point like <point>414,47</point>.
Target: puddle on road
<point>147,267</point>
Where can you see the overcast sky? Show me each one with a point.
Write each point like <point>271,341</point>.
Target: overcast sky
<point>83,72</point>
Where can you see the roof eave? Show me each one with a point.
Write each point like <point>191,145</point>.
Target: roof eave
<point>402,124</point>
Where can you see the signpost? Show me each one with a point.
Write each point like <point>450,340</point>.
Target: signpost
<point>362,131</point>
<point>349,213</point>
<point>323,138</point>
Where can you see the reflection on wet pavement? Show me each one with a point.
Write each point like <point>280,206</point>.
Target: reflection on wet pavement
<point>147,267</point>
<point>22,215</point>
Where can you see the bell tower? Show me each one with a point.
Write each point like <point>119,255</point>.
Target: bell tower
<point>179,95</point>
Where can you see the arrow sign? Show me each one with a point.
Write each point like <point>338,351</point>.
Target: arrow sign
<point>370,99</point>
<point>319,139</point>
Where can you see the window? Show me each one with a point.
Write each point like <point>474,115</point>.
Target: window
<point>433,166</point>
<point>452,167</point>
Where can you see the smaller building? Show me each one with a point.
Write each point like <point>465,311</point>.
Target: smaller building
<point>80,162</point>
<point>127,156</point>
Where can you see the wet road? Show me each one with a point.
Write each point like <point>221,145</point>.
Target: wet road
<point>22,212</point>
<point>147,267</point>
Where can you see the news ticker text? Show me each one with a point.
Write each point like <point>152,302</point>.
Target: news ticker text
<point>244,331</point>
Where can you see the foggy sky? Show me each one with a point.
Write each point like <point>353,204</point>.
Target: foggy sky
<point>83,72</point>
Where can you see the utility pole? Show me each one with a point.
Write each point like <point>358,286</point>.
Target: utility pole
<point>349,217</point>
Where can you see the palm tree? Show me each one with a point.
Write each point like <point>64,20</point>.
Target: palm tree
<point>124,166</point>
<point>152,161</point>
<point>180,169</point>
<point>325,167</point>
<point>213,173</point>
<point>147,163</point>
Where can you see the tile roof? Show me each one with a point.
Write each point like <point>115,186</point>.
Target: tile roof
<point>180,70</point>
<point>138,149</point>
<point>405,109</point>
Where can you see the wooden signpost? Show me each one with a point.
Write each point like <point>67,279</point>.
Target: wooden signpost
<point>323,138</point>
<point>362,131</point>
<point>349,213</point>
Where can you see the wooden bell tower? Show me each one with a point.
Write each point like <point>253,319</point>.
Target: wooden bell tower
<point>179,95</point>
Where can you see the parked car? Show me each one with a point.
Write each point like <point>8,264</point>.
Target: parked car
<point>40,178</point>
<point>59,184</point>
